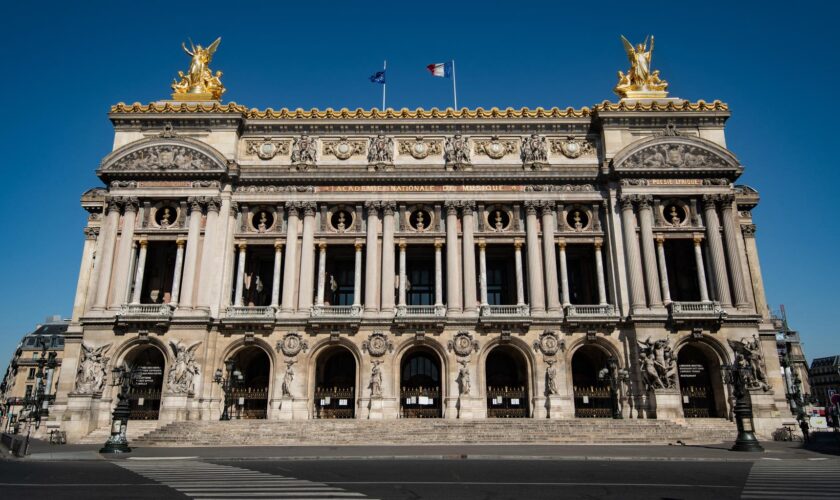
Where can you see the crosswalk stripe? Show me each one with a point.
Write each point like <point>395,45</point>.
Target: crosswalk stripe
<point>198,479</point>
<point>784,479</point>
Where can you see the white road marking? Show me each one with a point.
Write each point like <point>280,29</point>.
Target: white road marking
<point>787,479</point>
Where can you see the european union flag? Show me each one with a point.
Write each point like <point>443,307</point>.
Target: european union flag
<point>378,77</point>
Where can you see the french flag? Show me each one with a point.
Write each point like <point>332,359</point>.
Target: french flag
<point>442,70</point>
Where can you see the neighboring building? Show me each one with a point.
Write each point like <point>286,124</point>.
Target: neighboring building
<point>825,378</point>
<point>20,381</point>
<point>793,365</point>
<point>462,264</point>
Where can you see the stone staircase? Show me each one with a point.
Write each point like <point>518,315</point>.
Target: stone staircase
<point>136,430</point>
<point>435,432</point>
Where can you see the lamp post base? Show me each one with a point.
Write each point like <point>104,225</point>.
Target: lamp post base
<point>115,448</point>
<point>746,441</point>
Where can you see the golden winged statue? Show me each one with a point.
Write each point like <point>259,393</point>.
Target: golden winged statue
<point>199,83</point>
<point>640,82</point>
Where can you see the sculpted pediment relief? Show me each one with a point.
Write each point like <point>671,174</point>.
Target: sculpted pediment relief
<point>681,153</point>
<point>163,155</point>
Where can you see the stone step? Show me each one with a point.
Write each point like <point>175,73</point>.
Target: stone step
<point>433,431</point>
<point>135,431</point>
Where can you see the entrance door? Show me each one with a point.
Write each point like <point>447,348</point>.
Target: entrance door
<point>420,390</point>
<point>250,396</point>
<point>592,396</point>
<point>698,394</point>
<point>507,383</point>
<point>335,384</point>
<point>147,365</point>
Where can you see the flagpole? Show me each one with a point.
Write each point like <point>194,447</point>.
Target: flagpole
<point>454,86</point>
<point>384,67</point>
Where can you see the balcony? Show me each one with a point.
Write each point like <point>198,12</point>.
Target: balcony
<point>335,317</point>
<point>505,316</point>
<point>156,315</point>
<point>421,316</point>
<point>591,314</point>
<point>249,316</point>
<point>690,312</point>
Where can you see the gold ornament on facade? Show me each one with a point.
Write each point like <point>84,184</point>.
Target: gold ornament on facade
<point>199,83</point>
<point>640,81</point>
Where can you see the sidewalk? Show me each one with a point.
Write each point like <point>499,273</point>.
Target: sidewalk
<point>824,446</point>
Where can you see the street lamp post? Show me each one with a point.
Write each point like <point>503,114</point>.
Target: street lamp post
<point>118,442</point>
<point>614,376</point>
<point>737,376</point>
<point>234,377</point>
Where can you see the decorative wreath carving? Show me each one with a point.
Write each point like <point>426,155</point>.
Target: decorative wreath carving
<point>291,344</point>
<point>463,344</point>
<point>377,344</point>
<point>549,343</point>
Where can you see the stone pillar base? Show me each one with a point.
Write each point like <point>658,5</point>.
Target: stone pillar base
<point>79,419</point>
<point>667,404</point>
<point>469,408</point>
<point>450,408</point>
<point>766,414</point>
<point>173,407</point>
<point>560,407</point>
<point>376,409</point>
<point>282,409</point>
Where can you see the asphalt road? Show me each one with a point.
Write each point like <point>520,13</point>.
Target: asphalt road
<point>385,479</point>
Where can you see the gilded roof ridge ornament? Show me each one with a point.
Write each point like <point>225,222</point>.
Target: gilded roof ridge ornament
<point>199,83</point>
<point>640,81</point>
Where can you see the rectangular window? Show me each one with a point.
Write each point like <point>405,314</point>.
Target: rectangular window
<point>682,270</point>
<point>159,273</point>
<point>501,275</point>
<point>583,278</point>
<point>420,273</point>
<point>31,375</point>
<point>28,391</point>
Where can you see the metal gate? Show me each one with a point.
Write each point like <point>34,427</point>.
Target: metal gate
<point>507,402</point>
<point>334,402</point>
<point>593,402</point>
<point>420,402</point>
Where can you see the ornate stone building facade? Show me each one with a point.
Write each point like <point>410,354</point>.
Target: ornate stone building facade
<point>465,264</point>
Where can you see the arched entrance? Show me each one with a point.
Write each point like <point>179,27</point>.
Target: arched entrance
<point>592,395</point>
<point>506,372</point>
<point>335,384</point>
<point>420,388</point>
<point>701,385</point>
<point>249,396</point>
<point>147,364</point>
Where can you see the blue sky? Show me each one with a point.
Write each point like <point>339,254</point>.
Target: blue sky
<point>64,64</point>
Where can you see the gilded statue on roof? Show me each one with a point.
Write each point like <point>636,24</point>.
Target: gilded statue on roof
<point>640,82</point>
<point>199,83</point>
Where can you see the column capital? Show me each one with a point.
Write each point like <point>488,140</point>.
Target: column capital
<point>196,203</point>
<point>451,207</point>
<point>467,207</point>
<point>180,242</point>
<point>388,207</point>
<point>599,243</point>
<point>698,238</point>
<point>644,201</point>
<point>143,242</point>
<point>130,204</point>
<point>438,244</point>
<point>726,200</point>
<point>710,200</point>
<point>278,244</point>
<point>292,207</point>
<point>359,244</point>
<point>91,233</point>
<point>531,206</point>
<point>482,243</point>
<point>660,239</point>
<point>213,204</point>
<point>627,201</point>
<point>517,243</point>
<point>547,207</point>
<point>309,208</point>
<point>748,230</point>
<point>402,244</point>
<point>372,207</point>
<point>322,245</point>
<point>561,242</point>
<point>112,204</point>
<point>242,245</point>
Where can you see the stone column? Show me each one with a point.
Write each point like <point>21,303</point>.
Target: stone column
<point>275,280</point>
<point>138,274</point>
<point>371,254</point>
<point>388,276</point>
<point>307,257</point>
<point>438,274</point>
<point>85,271</point>
<point>357,275</point>
<point>634,262</point>
<point>467,228</point>
<point>649,252</point>
<point>210,259</point>
<point>240,275</point>
<point>731,231</point>
<point>191,254</point>
<point>176,278</point>
<point>453,274</point>
<point>322,272</point>
<point>520,284</point>
<point>125,254</point>
<point>106,259</point>
<point>701,270</point>
<point>716,250</point>
<point>751,247</point>
<point>482,270</point>
<point>551,289</point>
<point>599,269</point>
<point>663,269</point>
<point>402,274</point>
<point>564,273</point>
<point>535,273</point>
